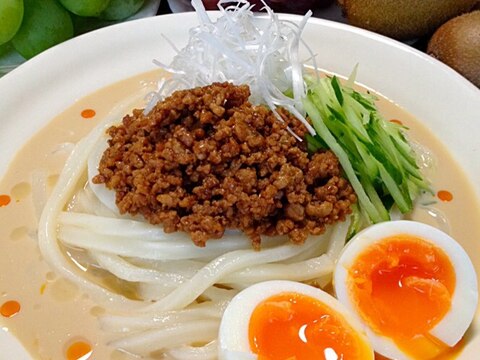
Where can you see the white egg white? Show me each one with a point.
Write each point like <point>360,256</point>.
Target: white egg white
<point>464,300</point>
<point>233,334</point>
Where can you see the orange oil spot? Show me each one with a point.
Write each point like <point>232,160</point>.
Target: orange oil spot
<point>4,200</point>
<point>42,288</point>
<point>10,308</point>
<point>445,195</point>
<point>79,350</point>
<point>396,121</point>
<point>88,113</point>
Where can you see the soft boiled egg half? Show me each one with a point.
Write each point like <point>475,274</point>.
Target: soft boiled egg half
<point>412,286</point>
<point>284,320</point>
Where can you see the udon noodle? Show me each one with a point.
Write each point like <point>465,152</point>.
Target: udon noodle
<point>163,293</point>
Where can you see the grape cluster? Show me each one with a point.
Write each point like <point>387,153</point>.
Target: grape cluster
<point>32,26</point>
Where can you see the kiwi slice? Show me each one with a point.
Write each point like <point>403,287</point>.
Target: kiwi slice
<point>403,19</point>
<point>457,44</point>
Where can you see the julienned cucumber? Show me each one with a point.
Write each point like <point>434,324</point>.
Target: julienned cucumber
<point>374,153</point>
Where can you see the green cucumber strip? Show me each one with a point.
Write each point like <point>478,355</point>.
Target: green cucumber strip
<point>325,134</point>
<point>337,89</point>
<point>363,101</point>
<point>314,143</point>
<point>401,197</point>
<point>368,161</point>
<point>374,197</point>
<point>375,155</point>
<point>356,222</point>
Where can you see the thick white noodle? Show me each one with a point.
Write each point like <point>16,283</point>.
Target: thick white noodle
<point>152,292</point>
<point>207,352</point>
<point>105,196</point>
<point>226,264</point>
<point>300,271</point>
<point>129,272</point>
<point>62,193</point>
<point>197,331</point>
<point>337,240</point>
<point>146,249</point>
<point>120,323</point>
<point>85,201</point>
<point>185,268</point>
<point>220,295</point>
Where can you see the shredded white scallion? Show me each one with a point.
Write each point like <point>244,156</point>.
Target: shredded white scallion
<point>261,52</point>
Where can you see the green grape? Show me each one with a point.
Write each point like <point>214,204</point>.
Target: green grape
<point>11,15</point>
<point>45,23</point>
<point>85,7</point>
<point>121,9</point>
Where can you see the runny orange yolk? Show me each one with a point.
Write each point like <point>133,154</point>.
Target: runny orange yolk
<point>296,326</point>
<point>402,288</point>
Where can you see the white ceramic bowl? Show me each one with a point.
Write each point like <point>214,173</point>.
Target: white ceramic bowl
<point>43,87</point>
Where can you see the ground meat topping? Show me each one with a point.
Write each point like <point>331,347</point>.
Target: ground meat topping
<point>204,160</point>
